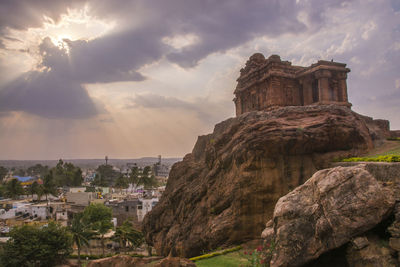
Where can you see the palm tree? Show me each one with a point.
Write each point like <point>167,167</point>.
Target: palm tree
<point>134,176</point>
<point>13,189</point>
<point>98,217</point>
<point>49,187</point>
<point>127,234</point>
<point>34,188</point>
<point>121,183</point>
<point>81,234</point>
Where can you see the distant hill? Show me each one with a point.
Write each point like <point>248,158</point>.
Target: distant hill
<point>89,163</point>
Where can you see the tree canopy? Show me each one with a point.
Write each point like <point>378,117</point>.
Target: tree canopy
<point>98,218</point>
<point>145,177</point>
<point>37,170</point>
<point>121,182</point>
<point>3,173</point>
<point>66,174</point>
<point>32,245</point>
<point>13,189</point>
<point>81,233</point>
<point>126,234</point>
<point>49,187</point>
<point>105,175</point>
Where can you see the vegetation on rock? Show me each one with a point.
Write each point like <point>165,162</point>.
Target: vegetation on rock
<point>388,158</point>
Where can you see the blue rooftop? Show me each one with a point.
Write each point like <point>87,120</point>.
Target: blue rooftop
<point>23,179</point>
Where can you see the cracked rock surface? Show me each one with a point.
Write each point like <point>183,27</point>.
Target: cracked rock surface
<point>332,207</point>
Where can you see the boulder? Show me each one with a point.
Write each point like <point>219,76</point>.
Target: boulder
<point>223,192</point>
<point>330,209</point>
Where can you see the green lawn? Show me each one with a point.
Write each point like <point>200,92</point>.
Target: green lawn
<point>233,259</point>
<point>395,151</point>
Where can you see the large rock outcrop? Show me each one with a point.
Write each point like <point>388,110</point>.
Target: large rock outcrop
<point>224,191</point>
<point>332,208</point>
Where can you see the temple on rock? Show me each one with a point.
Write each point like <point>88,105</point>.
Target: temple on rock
<point>266,84</point>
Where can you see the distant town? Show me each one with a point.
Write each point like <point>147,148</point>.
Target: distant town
<point>39,192</point>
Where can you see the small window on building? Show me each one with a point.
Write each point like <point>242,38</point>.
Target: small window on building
<point>139,207</point>
<point>127,208</point>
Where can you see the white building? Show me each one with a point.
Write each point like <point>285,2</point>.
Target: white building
<point>40,211</point>
<point>145,205</point>
<point>61,216</point>
<point>18,208</point>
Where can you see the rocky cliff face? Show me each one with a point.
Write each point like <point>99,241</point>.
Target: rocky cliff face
<point>226,189</point>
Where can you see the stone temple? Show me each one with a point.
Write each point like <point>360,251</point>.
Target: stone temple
<point>266,84</point>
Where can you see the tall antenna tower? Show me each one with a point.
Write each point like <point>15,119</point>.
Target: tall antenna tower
<point>106,160</point>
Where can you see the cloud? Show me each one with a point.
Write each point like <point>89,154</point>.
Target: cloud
<point>52,92</point>
<point>24,14</point>
<point>205,109</point>
<point>48,95</point>
<point>139,39</point>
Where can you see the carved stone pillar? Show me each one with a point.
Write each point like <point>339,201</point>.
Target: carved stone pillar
<point>343,86</point>
<point>306,84</point>
<point>323,77</point>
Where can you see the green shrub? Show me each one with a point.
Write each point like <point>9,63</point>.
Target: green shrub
<point>388,158</point>
<point>84,256</point>
<point>217,253</point>
<point>393,139</point>
<point>135,255</point>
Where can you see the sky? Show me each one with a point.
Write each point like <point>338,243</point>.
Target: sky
<point>128,79</point>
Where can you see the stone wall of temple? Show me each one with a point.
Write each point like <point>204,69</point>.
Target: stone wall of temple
<point>266,84</point>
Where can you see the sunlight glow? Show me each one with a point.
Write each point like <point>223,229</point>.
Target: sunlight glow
<point>181,41</point>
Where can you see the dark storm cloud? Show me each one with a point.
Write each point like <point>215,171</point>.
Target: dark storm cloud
<point>138,40</point>
<point>52,93</point>
<point>48,95</point>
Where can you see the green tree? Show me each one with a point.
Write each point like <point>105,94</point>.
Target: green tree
<point>49,186</point>
<point>3,173</point>
<point>13,189</point>
<point>121,182</point>
<point>2,190</point>
<point>34,188</point>
<point>147,178</point>
<point>134,176</point>
<point>37,170</point>
<point>81,233</point>
<point>67,174</point>
<point>77,178</point>
<point>20,172</point>
<point>126,234</point>
<point>98,218</point>
<point>105,175</point>
<point>36,246</point>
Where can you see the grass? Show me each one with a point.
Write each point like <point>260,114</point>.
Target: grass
<point>395,151</point>
<point>387,158</point>
<point>389,152</point>
<point>215,253</point>
<point>233,259</point>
